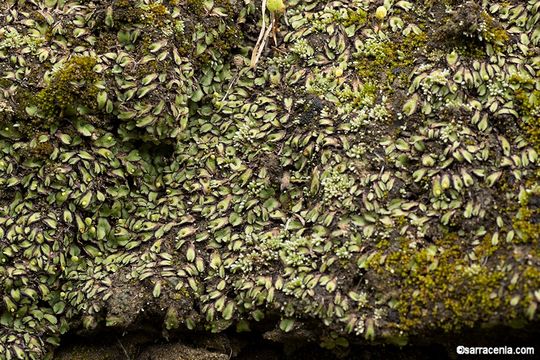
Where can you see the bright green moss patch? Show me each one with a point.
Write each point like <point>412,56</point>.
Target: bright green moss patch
<point>71,86</point>
<point>383,61</point>
<point>527,226</point>
<point>440,286</point>
<point>493,32</point>
<point>154,14</point>
<point>358,18</point>
<point>528,101</point>
<point>533,131</point>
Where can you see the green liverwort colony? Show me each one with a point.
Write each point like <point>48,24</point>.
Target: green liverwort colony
<point>376,173</point>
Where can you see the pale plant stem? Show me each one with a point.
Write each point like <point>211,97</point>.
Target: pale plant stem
<point>263,44</point>
<point>261,40</point>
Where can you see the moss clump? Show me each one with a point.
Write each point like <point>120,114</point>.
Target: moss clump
<point>358,17</point>
<point>526,227</point>
<point>356,185</point>
<point>440,287</point>
<point>532,128</point>
<point>72,86</point>
<point>492,31</point>
<point>230,38</point>
<point>528,105</point>
<point>155,14</point>
<point>384,61</point>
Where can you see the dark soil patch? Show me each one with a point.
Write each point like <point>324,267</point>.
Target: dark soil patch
<point>149,345</point>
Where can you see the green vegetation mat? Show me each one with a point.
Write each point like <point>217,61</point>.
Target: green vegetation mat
<point>375,177</point>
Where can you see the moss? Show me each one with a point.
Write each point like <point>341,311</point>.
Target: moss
<point>525,226</point>
<point>441,288</point>
<point>386,62</point>
<point>358,17</point>
<point>155,14</point>
<point>72,86</point>
<point>493,32</point>
<point>230,38</point>
<point>532,128</point>
<point>528,105</point>
<point>82,352</point>
<point>261,203</point>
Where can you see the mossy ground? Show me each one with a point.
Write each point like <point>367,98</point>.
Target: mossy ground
<point>373,179</point>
